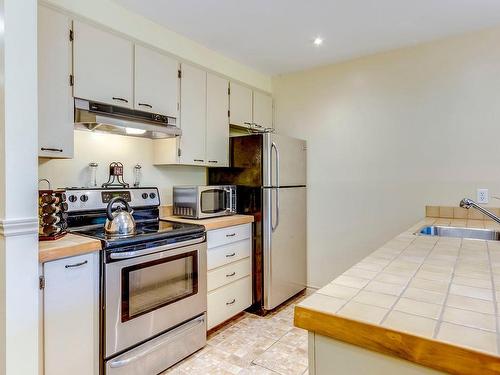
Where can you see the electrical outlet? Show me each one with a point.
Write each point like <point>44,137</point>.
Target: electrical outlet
<point>482,196</point>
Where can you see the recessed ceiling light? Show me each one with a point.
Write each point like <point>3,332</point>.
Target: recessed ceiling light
<point>318,41</point>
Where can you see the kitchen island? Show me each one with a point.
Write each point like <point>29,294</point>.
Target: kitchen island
<point>417,305</point>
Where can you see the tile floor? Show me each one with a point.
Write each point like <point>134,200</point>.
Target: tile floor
<point>251,344</point>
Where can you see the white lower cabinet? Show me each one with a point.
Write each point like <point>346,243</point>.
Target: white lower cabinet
<point>71,315</point>
<point>229,278</point>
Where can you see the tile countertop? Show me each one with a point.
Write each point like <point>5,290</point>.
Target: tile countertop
<point>67,246</point>
<point>216,222</point>
<point>431,300</point>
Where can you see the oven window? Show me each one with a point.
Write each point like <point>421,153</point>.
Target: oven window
<point>152,285</point>
<point>213,201</point>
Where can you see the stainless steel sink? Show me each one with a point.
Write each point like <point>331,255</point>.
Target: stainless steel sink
<point>442,231</point>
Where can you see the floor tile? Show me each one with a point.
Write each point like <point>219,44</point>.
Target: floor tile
<point>283,359</point>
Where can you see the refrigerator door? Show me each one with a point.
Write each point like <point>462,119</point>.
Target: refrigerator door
<point>284,161</point>
<point>284,244</point>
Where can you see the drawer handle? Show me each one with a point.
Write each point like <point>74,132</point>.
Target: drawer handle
<point>76,264</point>
<point>120,99</point>
<point>199,160</point>
<point>231,274</point>
<point>51,149</point>
<point>230,303</point>
<point>145,105</point>
<point>213,161</point>
<point>230,255</point>
<point>231,235</point>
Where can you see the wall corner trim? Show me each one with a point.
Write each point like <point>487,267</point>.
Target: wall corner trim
<point>18,227</point>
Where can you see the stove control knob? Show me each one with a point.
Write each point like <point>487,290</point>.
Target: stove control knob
<point>72,198</point>
<point>152,195</point>
<point>144,195</point>
<point>84,198</point>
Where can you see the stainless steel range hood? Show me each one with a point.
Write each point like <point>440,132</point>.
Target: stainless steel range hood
<point>99,117</point>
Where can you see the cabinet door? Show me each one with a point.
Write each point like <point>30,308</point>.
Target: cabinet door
<point>240,102</point>
<point>193,115</point>
<point>262,109</point>
<point>103,66</point>
<point>55,108</point>
<point>217,121</point>
<point>71,315</point>
<point>156,82</point>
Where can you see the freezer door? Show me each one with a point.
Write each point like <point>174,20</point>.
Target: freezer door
<point>284,241</point>
<point>284,161</point>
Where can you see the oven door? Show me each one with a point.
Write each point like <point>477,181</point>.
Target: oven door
<point>149,294</point>
<point>215,201</point>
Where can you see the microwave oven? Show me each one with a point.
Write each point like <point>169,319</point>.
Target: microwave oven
<point>201,202</point>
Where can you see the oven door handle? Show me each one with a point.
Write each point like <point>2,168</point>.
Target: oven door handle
<point>173,335</point>
<point>137,253</point>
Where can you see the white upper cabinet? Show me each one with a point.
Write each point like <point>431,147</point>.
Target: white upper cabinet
<point>103,66</point>
<point>193,115</point>
<point>55,107</point>
<point>156,82</point>
<point>262,110</point>
<point>240,105</point>
<point>217,121</point>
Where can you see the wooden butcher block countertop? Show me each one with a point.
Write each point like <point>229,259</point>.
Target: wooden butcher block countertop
<point>67,246</point>
<point>216,222</point>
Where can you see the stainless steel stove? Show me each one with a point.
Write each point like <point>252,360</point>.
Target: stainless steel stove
<point>153,283</point>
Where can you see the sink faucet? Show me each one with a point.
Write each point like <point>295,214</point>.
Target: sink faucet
<point>468,203</point>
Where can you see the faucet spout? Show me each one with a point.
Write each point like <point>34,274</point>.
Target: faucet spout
<point>468,203</point>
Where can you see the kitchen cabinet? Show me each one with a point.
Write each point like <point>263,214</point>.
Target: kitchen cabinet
<point>240,102</point>
<point>71,315</point>
<point>193,115</point>
<point>204,122</point>
<point>262,110</point>
<point>103,66</point>
<point>229,277</point>
<point>250,108</point>
<point>55,105</point>
<point>217,133</point>
<point>156,82</point>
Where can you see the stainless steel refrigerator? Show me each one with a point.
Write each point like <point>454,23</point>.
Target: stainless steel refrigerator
<point>270,173</point>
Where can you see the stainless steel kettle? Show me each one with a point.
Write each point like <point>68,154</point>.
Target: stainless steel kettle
<point>119,223</point>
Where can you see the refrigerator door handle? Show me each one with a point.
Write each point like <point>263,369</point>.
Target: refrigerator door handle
<point>277,151</point>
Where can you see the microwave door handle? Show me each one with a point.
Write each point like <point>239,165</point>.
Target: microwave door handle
<point>174,334</point>
<point>229,199</point>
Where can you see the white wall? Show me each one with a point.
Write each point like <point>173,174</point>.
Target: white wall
<point>388,134</point>
<point>106,148</point>
<point>114,16</point>
<point>18,195</point>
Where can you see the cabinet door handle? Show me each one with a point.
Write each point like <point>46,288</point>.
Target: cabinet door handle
<point>230,255</point>
<point>76,264</point>
<point>231,235</point>
<point>51,149</point>
<point>199,160</point>
<point>213,161</point>
<point>120,99</point>
<point>146,105</point>
<point>230,303</point>
<point>231,274</point>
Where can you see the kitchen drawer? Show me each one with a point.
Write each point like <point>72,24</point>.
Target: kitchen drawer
<point>222,255</point>
<point>228,301</point>
<point>229,273</point>
<point>228,235</point>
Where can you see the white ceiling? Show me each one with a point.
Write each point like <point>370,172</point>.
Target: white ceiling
<point>275,36</point>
